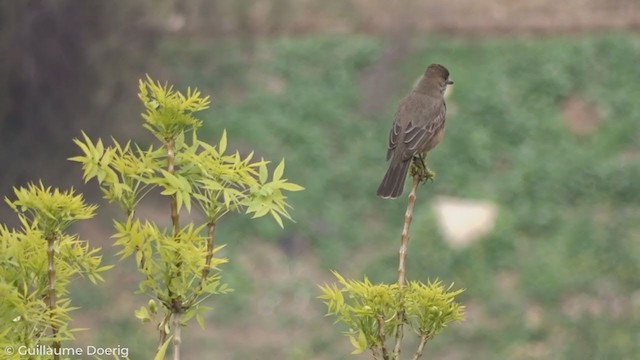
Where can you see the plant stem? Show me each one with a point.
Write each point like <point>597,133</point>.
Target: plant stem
<point>177,335</point>
<point>171,160</point>
<point>177,305</point>
<point>163,338</point>
<point>161,327</point>
<point>404,239</point>
<point>381,337</point>
<point>423,342</point>
<point>404,242</point>
<point>51,296</point>
<point>211,228</point>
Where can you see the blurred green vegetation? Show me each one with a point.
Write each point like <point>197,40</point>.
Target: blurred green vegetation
<point>558,276</point>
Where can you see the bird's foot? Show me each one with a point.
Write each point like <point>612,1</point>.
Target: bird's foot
<point>419,168</point>
<point>430,175</point>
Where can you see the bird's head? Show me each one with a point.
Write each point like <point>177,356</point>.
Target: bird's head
<point>434,81</point>
<point>438,72</point>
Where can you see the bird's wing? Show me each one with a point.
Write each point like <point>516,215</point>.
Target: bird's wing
<point>416,123</point>
<point>421,131</point>
<point>394,135</point>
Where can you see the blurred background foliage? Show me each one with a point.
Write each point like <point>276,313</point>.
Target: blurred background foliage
<point>543,123</point>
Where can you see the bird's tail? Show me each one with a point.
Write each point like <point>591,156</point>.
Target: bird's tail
<point>393,182</point>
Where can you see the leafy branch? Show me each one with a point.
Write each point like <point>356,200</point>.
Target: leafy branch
<point>37,263</point>
<point>179,264</point>
<point>374,313</point>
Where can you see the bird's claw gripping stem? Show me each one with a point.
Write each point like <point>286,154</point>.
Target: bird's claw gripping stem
<point>419,168</point>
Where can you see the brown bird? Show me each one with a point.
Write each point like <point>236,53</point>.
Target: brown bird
<point>417,128</point>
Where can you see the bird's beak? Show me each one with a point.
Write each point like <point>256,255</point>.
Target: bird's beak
<point>449,82</point>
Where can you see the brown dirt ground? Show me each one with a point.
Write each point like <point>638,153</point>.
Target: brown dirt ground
<point>454,16</point>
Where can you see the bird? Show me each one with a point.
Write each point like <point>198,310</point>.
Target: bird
<point>418,127</point>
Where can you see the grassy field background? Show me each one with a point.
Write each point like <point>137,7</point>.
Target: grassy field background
<point>557,278</point>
